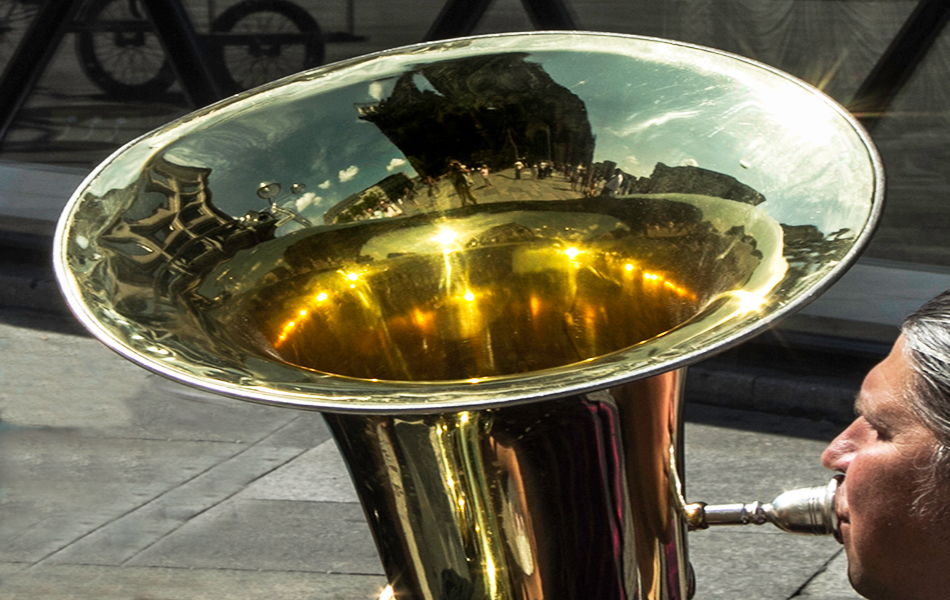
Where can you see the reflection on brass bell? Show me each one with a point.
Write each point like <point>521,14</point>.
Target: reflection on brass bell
<point>512,247</point>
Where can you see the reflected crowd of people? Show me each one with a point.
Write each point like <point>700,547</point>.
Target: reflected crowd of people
<point>475,182</point>
<point>587,180</point>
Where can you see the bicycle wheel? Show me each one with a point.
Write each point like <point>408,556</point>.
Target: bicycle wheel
<point>15,18</point>
<point>257,41</point>
<point>120,52</point>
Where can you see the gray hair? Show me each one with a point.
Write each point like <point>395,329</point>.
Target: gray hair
<point>927,351</point>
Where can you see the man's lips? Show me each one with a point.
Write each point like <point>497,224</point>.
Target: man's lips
<point>843,521</point>
<point>841,513</point>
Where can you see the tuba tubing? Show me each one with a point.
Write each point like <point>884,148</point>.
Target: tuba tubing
<point>806,511</point>
<point>570,498</point>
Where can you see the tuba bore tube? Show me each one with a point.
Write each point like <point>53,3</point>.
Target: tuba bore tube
<point>806,511</point>
<point>570,498</point>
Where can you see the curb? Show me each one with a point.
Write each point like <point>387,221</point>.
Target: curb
<point>31,287</point>
<point>719,382</point>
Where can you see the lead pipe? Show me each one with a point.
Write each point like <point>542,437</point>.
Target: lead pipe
<point>806,511</point>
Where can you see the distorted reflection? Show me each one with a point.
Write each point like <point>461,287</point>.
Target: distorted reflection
<point>495,243</point>
<point>269,191</point>
<point>479,284</point>
<point>491,110</point>
<point>558,499</point>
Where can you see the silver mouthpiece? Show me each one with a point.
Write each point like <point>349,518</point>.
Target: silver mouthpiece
<point>806,511</point>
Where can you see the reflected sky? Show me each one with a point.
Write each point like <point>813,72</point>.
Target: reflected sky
<point>320,142</point>
<point>762,131</point>
<point>643,114</point>
<point>178,212</point>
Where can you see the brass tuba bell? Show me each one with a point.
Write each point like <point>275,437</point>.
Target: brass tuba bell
<point>488,261</point>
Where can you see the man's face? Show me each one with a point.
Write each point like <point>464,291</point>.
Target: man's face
<point>894,551</point>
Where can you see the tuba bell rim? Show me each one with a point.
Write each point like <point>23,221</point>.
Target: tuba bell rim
<point>323,391</point>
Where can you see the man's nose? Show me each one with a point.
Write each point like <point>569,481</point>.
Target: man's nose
<point>837,456</point>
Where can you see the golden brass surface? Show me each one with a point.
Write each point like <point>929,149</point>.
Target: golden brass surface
<point>488,260</point>
<point>571,498</point>
<point>493,296</point>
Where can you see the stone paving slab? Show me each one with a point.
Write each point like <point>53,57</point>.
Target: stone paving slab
<point>318,475</point>
<point>758,565</point>
<point>727,460</point>
<point>71,582</point>
<point>130,534</point>
<point>163,409</point>
<point>271,535</point>
<point>832,583</point>
<point>58,487</point>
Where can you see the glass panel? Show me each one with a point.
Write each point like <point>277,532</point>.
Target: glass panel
<point>108,83</point>
<point>831,44</point>
<point>68,121</point>
<point>914,140</point>
<point>110,80</point>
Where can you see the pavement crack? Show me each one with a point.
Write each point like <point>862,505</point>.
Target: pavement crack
<point>824,567</point>
<point>276,465</point>
<point>158,497</point>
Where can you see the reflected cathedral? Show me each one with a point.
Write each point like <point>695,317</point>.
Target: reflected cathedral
<point>491,110</point>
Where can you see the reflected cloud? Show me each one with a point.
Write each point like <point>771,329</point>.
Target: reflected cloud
<point>663,119</point>
<point>395,164</point>
<point>348,173</point>
<point>630,163</point>
<point>325,185</point>
<point>306,200</point>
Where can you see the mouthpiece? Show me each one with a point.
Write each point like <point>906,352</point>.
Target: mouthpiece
<point>805,511</point>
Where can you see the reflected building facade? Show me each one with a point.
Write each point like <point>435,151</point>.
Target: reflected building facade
<point>171,231</point>
<point>354,206</point>
<point>695,180</point>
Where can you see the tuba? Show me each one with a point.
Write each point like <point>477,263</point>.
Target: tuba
<point>488,261</point>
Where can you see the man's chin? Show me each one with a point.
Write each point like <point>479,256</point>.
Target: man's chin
<point>856,582</point>
<point>866,586</point>
<point>857,577</point>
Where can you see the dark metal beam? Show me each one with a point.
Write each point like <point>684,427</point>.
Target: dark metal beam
<point>32,56</point>
<point>460,17</point>
<point>184,50</point>
<point>550,14</point>
<point>457,18</point>
<point>896,66</point>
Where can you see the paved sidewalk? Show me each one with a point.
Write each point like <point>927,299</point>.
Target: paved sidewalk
<point>118,484</point>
